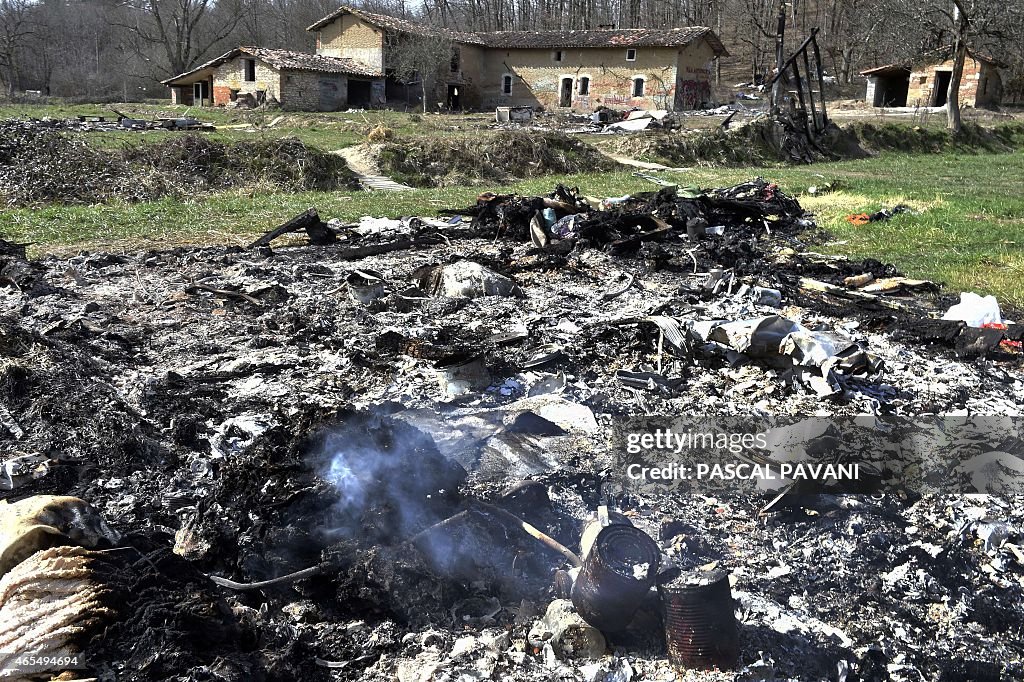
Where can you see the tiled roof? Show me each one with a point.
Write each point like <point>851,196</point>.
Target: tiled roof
<point>928,58</point>
<point>396,24</point>
<point>288,60</point>
<point>630,37</point>
<point>303,61</point>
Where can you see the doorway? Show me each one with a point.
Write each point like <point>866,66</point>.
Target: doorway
<point>565,98</point>
<point>201,94</point>
<point>941,92</point>
<point>358,94</point>
<point>453,98</point>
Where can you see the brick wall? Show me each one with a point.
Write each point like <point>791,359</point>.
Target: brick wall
<point>309,91</point>
<point>538,77</point>
<point>469,77</point>
<point>352,38</point>
<point>673,78</point>
<point>979,85</point>
<point>693,77</point>
<point>231,76</point>
<point>181,94</point>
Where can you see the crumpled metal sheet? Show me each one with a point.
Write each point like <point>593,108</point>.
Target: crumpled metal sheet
<point>773,337</point>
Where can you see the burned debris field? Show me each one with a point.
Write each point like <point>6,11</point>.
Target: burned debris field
<point>390,449</point>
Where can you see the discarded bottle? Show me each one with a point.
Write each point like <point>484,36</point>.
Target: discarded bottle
<point>700,624</point>
<point>549,217</point>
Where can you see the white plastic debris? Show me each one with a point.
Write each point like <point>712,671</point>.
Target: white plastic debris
<point>470,280</point>
<point>975,310</point>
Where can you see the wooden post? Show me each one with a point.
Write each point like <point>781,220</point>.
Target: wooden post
<point>810,90</point>
<point>800,95</point>
<point>821,76</point>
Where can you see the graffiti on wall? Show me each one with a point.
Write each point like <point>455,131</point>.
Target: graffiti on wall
<point>377,92</point>
<point>692,94</point>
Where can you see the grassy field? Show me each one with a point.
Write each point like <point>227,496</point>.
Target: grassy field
<point>969,232</point>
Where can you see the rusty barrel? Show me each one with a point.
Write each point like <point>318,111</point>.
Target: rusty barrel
<point>700,622</point>
<point>617,573</point>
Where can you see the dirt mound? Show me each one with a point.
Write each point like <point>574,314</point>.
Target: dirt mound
<point>506,156</point>
<point>38,165</point>
<point>762,141</point>
<point>918,139</point>
<point>768,141</point>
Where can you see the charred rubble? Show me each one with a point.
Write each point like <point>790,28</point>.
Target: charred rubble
<point>386,455</point>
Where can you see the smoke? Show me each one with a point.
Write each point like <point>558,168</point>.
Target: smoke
<point>390,477</point>
<point>394,485</point>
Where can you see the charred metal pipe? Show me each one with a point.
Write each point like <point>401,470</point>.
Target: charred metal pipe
<point>617,573</point>
<point>280,580</point>
<point>507,519</point>
<point>700,623</point>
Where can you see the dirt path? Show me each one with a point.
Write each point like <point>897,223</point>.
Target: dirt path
<point>636,163</point>
<point>369,175</point>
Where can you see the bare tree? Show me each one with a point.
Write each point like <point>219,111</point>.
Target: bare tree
<point>184,30</point>
<point>419,60</point>
<point>16,28</point>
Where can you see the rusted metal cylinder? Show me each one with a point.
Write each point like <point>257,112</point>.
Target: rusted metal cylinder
<point>617,573</point>
<point>700,622</point>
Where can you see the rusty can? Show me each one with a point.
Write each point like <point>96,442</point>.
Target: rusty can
<point>700,621</point>
<point>618,571</point>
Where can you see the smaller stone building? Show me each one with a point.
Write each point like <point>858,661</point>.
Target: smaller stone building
<point>295,80</point>
<point>925,83</point>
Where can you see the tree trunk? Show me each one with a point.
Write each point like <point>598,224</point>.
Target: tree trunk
<point>845,64</point>
<point>780,55</point>
<point>959,57</point>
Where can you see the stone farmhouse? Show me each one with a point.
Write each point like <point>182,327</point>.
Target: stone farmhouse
<point>296,80</point>
<point>925,82</point>
<point>557,70</point>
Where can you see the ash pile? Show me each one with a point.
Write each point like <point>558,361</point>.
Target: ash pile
<point>393,452</point>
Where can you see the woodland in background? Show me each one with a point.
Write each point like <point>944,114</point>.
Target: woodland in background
<point>112,50</point>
